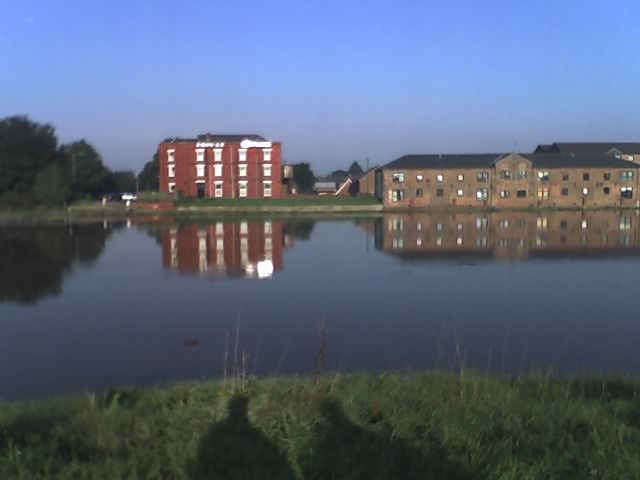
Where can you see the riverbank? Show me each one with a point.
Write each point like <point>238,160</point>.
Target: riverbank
<point>390,425</point>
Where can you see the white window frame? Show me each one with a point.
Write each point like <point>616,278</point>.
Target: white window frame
<point>242,170</point>
<point>460,192</point>
<point>218,190</point>
<point>265,184</point>
<point>171,170</point>
<point>171,155</point>
<point>266,154</point>
<point>242,154</point>
<point>266,170</point>
<point>199,154</point>
<point>440,178</point>
<point>217,154</point>
<point>243,187</point>
<point>200,170</point>
<point>460,177</point>
<point>217,170</point>
<point>172,187</point>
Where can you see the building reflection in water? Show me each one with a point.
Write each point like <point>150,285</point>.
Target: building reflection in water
<point>252,250</point>
<point>509,234</point>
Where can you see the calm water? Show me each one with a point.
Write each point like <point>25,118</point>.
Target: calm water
<point>87,307</point>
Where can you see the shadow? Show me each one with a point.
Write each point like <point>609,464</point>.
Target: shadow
<point>234,449</point>
<point>348,451</point>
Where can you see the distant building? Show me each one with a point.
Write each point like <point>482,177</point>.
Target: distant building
<point>221,166</point>
<point>325,188</point>
<point>544,179</point>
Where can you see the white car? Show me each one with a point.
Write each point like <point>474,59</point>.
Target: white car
<point>128,197</point>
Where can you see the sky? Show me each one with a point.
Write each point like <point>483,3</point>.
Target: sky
<point>335,81</point>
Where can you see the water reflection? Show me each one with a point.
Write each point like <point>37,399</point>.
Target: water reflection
<point>35,260</point>
<point>508,235</point>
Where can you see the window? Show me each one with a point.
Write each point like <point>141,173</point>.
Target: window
<point>268,228</point>
<point>418,242</point>
<point>172,187</point>
<point>606,190</point>
<point>459,241</point>
<point>439,192</point>
<point>481,242</point>
<point>266,170</point>
<point>543,193</point>
<point>460,227</point>
<point>266,155</point>
<point>521,194</point>
<point>218,193</point>
<point>460,192</point>
<point>483,176</point>
<point>583,224</point>
<point>172,170</point>
<point>439,226</point>
<point>543,176</point>
<point>199,154</point>
<point>565,177</point>
<point>585,176</point>
<point>541,222</point>
<point>625,223</point>
<point>242,170</point>
<point>505,193</point>
<point>217,155</point>
<point>200,170</point>
<point>460,177</point>
<point>440,178</point>
<point>217,170</point>
<point>171,156</point>
<point>626,192</point>
<point>563,224</point>
<point>607,176</point>
<point>266,188</point>
<point>419,192</point>
<point>439,241</point>
<point>242,188</point>
<point>397,243</point>
<point>219,228</point>
<point>565,191</point>
<point>505,174</point>
<point>419,178</point>
<point>626,175</point>
<point>419,226</point>
<point>242,154</point>
<point>482,194</point>
<point>398,178</point>
<point>585,191</point>
<point>244,228</point>
<point>522,174</point>
<point>397,195</point>
<point>482,223</point>
<point>504,223</point>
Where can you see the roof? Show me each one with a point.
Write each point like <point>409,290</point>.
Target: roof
<point>588,147</point>
<point>579,160</point>
<point>216,137</point>
<point>483,160</point>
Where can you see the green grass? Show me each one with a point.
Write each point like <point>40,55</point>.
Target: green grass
<point>328,200</point>
<point>391,425</point>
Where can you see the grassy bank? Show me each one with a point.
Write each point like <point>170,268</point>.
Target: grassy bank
<point>417,425</point>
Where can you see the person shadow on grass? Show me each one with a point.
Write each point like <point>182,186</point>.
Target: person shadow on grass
<point>347,451</point>
<point>234,449</point>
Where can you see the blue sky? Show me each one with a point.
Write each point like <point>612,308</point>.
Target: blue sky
<point>335,81</point>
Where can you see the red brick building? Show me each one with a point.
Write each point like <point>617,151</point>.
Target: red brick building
<point>221,166</point>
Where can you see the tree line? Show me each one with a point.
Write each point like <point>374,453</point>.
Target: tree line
<point>37,170</point>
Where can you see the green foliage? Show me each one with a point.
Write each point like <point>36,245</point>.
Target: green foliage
<point>303,177</point>
<point>52,187</point>
<point>122,181</point>
<point>149,177</point>
<point>355,170</point>
<point>338,176</point>
<point>391,425</point>
<point>89,177</point>
<point>26,148</point>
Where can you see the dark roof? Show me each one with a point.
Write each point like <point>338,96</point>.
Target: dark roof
<point>215,137</point>
<point>578,160</point>
<point>483,160</point>
<point>588,147</point>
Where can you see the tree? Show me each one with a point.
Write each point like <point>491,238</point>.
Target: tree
<point>303,177</point>
<point>339,176</point>
<point>355,170</point>
<point>89,176</point>
<point>26,148</point>
<point>122,181</point>
<point>148,179</point>
<point>52,186</point>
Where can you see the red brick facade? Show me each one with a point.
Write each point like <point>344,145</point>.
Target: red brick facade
<point>221,166</point>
